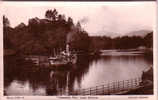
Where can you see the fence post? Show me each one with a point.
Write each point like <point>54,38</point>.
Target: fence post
<point>118,87</point>
<point>136,82</point>
<point>128,84</point>
<point>123,85</point>
<point>132,84</point>
<point>113,87</point>
<point>103,89</point>
<point>90,91</point>
<point>83,91</point>
<point>96,90</point>
<point>108,88</point>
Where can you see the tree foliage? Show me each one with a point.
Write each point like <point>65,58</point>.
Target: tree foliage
<point>51,15</point>
<point>6,22</point>
<point>42,36</point>
<point>124,42</point>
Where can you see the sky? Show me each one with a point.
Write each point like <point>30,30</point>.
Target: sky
<point>97,18</point>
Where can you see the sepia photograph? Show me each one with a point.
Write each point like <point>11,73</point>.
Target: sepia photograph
<point>78,49</point>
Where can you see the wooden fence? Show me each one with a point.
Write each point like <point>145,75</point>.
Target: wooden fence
<point>118,87</point>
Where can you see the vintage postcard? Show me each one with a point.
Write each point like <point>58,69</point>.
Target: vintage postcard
<point>78,51</point>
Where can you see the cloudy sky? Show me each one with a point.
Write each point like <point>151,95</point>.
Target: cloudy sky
<point>105,18</point>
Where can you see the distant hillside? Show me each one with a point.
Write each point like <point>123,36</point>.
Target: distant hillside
<point>141,33</point>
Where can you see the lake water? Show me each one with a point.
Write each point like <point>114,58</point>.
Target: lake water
<point>20,79</point>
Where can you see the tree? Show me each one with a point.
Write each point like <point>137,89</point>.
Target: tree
<point>51,15</point>
<point>78,26</point>
<point>6,22</point>
<point>148,40</point>
<point>70,21</point>
<point>78,40</point>
<point>61,17</point>
<point>41,36</point>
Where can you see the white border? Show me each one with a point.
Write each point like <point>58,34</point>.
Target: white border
<point>109,97</point>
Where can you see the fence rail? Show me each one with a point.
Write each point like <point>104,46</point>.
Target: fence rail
<point>110,88</point>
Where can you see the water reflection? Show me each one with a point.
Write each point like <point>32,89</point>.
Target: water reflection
<point>24,88</point>
<point>22,78</point>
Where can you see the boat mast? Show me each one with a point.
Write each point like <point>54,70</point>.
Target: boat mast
<point>67,49</point>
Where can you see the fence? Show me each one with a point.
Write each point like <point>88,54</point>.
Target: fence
<point>117,87</point>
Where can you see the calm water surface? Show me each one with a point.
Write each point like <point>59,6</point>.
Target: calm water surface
<point>112,66</point>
